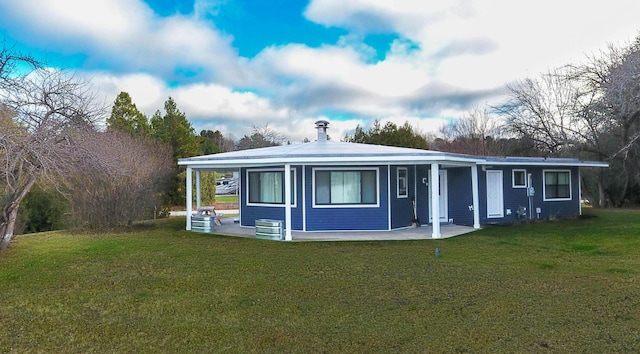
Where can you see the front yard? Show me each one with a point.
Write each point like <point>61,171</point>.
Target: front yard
<point>566,286</point>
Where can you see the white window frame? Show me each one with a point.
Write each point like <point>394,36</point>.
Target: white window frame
<point>405,179</point>
<point>339,169</point>
<point>544,186</point>
<point>513,178</point>
<point>282,205</point>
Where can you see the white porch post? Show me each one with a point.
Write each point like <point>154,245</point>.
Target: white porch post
<point>287,202</point>
<point>435,200</point>
<point>474,192</point>
<point>198,195</point>
<point>189,189</point>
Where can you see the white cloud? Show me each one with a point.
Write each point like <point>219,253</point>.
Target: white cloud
<point>127,35</point>
<point>450,56</point>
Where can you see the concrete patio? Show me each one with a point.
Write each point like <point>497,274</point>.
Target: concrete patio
<point>229,228</point>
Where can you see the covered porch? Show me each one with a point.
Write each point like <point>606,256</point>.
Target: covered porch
<point>423,232</point>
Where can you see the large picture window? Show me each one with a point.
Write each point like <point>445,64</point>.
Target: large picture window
<point>267,186</point>
<point>345,187</point>
<point>557,185</point>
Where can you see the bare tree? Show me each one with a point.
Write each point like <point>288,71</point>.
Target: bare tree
<point>476,133</point>
<point>117,179</point>
<point>546,110</point>
<point>592,109</point>
<point>41,111</point>
<point>260,137</point>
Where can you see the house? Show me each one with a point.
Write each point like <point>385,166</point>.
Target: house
<point>341,186</point>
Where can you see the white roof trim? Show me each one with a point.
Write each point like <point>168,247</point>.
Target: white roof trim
<point>342,153</point>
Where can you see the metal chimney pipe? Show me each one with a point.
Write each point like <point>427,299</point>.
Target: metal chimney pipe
<point>322,126</point>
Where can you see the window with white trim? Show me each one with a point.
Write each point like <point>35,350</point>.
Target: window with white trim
<point>402,182</point>
<point>345,187</point>
<point>557,184</point>
<point>267,187</point>
<point>519,178</point>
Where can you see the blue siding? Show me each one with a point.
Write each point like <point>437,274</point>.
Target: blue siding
<point>422,194</point>
<point>376,218</point>
<point>460,195</point>
<point>249,214</point>
<point>517,197</point>
<point>402,208</point>
<point>366,218</point>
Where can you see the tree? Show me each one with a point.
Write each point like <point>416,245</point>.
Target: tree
<point>211,142</point>
<point>41,112</point>
<point>125,116</point>
<point>118,181</point>
<point>390,135</point>
<point>591,109</point>
<point>260,137</point>
<point>478,132</point>
<point>174,129</point>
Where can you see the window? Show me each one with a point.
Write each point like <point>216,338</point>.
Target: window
<point>402,182</point>
<point>557,185</point>
<point>267,187</point>
<point>355,187</point>
<point>519,178</point>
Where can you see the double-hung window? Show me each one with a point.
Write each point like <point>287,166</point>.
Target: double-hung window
<point>348,187</point>
<point>267,187</point>
<point>557,185</point>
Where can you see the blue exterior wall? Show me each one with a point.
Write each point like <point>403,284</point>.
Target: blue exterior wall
<point>377,218</point>
<point>422,194</point>
<point>517,197</point>
<point>336,218</point>
<point>460,195</point>
<point>249,214</point>
<point>402,208</point>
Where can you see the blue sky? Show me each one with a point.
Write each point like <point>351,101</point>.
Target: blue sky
<point>231,65</point>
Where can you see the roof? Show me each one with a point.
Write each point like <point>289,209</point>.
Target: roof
<point>345,153</point>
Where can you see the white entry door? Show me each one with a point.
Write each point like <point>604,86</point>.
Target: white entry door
<point>444,203</point>
<point>495,200</point>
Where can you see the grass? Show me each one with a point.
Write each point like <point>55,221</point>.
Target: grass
<point>223,198</point>
<point>564,286</point>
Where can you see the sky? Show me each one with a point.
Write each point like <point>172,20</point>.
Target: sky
<point>231,65</point>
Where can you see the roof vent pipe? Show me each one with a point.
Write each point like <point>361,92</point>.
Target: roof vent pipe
<point>322,126</point>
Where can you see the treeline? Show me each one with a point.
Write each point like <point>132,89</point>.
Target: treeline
<point>59,168</point>
<point>130,170</point>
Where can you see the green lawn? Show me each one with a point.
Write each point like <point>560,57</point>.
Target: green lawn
<point>566,286</point>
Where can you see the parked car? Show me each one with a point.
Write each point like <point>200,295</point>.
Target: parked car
<point>226,186</point>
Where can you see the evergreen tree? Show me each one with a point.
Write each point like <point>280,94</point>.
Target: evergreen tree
<point>211,142</point>
<point>390,135</point>
<point>125,116</point>
<point>174,129</point>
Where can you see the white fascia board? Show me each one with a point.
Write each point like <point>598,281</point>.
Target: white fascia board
<point>546,163</point>
<point>361,160</point>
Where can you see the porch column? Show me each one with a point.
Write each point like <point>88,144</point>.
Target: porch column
<point>287,202</point>
<point>189,190</point>
<point>435,200</point>
<point>198,195</point>
<point>474,192</point>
